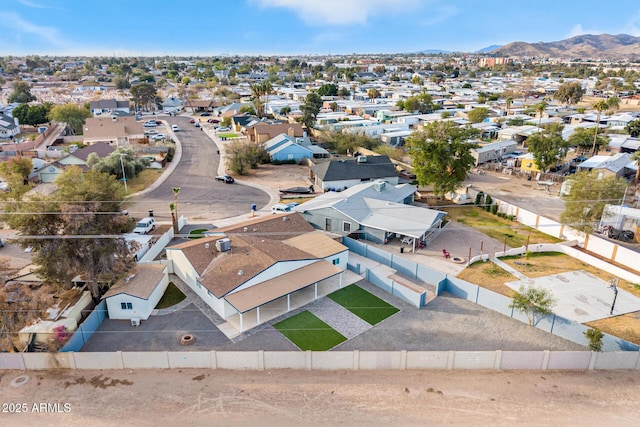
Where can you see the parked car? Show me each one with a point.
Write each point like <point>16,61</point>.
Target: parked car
<point>150,131</point>
<point>159,136</point>
<point>205,114</point>
<point>223,129</point>
<point>150,124</point>
<point>145,226</point>
<point>197,124</point>
<point>175,128</point>
<point>225,178</point>
<point>280,208</point>
<point>212,120</point>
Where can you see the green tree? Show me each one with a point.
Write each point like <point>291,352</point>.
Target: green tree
<point>241,156</point>
<point>261,92</point>
<point>441,155</point>
<point>328,89</point>
<point>600,106</point>
<point>533,302</point>
<point>343,92</point>
<point>15,172</point>
<point>569,93</point>
<point>583,138</point>
<point>285,110</point>
<point>349,142</point>
<point>539,108</point>
<point>32,114</point>
<point>247,109</point>
<point>70,114</point>
<point>595,339</point>
<point>121,158</point>
<point>21,93</point>
<point>548,147</point>
<point>587,195</point>
<point>373,93</point>
<point>508,103</point>
<point>633,128</point>
<point>636,158</point>
<point>143,95</point>
<point>121,83</point>
<point>478,115</point>
<point>72,231</point>
<point>310,109</point>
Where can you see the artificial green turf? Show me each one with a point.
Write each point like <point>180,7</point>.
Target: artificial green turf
<point>197,234</point>
<point>309,333</point>
<point>172,296</point>
<point>363,304</point>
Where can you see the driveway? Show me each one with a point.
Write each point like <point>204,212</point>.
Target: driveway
<point>201,197</point>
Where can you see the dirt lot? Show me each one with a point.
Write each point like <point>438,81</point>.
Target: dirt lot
<point>283,398</point>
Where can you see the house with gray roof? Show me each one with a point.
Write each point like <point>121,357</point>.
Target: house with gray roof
<point>106,106</point>
<point>375,211</point>
<point>340,174</point>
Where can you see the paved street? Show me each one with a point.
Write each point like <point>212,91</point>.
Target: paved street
<point>200,197</point>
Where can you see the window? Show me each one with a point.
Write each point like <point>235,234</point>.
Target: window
<point>346,227</point>
<point>336,261</point>
<point>126,306</point>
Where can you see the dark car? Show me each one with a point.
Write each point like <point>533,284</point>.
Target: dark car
<point>213,121</point>
<point>225,178</point>
<point>205,114</point>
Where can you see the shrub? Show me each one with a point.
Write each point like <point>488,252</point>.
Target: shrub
<point>494,209</point>
<point>487,203</point>
<point>479,198</point>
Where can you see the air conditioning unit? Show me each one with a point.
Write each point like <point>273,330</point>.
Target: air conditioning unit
<point>135,321</point>
<point>223,245</point>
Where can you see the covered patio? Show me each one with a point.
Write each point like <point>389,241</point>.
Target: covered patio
<point>274,297</point>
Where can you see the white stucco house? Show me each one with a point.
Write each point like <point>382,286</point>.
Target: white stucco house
<point>135,296</point>
<point>255,271</point>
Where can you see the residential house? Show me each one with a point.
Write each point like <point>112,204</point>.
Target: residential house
<point>200,105</point>
<point>252,272</point>
<point>171,105</point>
<point>113,130</point>
<point>285,147</point>
<point>262,132</point>
<point>340,174</point>
<point>619,165</point>
<point>136,296</point>
<point>49,173</point>
<point>240,122</point>
<point>107,106</point>
<point>9,126</point>
<point>375,211</point>
<point>493,151</point>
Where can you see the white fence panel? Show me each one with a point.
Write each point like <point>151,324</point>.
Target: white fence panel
<point>189,359</point>
<point>521,360</point>
<point>569,360</point>
<point>285,360</point>
<point>333,360</point>
<point>474,359</point>
<point>46,360</point>
<point>427,359</point>
<point>145,360</point>
<point>98,360</point>
<point>238,360</point>
<point>379,360</point>
<point>617,360</point>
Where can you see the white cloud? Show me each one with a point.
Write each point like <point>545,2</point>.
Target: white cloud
<point>577,30</point>
<point>36,5</point>
<point>439,15</point>
<point>340,12</point>
<point>20,28</point>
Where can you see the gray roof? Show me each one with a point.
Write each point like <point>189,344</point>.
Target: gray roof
<point>338,170</point>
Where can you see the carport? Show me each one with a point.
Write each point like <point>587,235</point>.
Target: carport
<point>279,295</point>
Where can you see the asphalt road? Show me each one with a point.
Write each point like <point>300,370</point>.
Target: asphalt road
<point>201,196</point>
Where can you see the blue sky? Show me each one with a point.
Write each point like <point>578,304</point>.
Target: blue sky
<point>252,27</point>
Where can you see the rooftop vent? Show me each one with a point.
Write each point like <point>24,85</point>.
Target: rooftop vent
<point>223,245</point>
<point>240,272</point>
<point>206,246</point>
<point>245,229</point>
<point>379,186</point>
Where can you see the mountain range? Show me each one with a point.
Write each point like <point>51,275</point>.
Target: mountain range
<point>583,46</point>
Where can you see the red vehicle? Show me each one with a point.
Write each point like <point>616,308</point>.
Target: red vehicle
<point>192,121</point>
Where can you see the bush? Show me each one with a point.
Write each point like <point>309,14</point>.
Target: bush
<point>283,162</point>
<point>479,198</point>
<point>487,203</point>
<point>494,209</point>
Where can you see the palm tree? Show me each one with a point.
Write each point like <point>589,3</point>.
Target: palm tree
<point>509,101</point>
<point>174,209</point>
<point>600,106</point>
<point>636,156</point>
<point>373,93</point>
<point>540,107</point>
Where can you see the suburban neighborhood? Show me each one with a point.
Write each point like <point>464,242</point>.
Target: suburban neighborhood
<point>440,211</point>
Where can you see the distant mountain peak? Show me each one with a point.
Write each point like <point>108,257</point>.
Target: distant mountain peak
<point>581,46</point>
<point>489,48</point>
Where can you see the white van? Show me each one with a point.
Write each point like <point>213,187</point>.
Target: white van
<point>280,208</point>
<point>175,128</point>
<point>145,226</point>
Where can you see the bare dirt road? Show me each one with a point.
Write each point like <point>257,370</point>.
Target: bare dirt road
<point>284,398</point>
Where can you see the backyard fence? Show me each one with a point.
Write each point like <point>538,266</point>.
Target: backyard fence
<point>554,324</point>
<point>86,329</point>
<point>331,360</point>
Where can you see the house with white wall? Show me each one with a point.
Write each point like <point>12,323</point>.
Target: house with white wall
<point>135,296</point>
<point>258,270</point>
